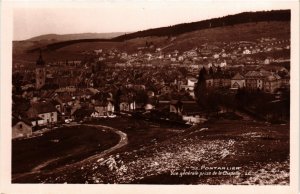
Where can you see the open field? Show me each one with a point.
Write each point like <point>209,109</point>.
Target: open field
<point>260,150</point>
<point>59,147</point>
<point>141,133</point>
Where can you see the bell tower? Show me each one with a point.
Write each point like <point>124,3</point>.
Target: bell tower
<point>40,72</point>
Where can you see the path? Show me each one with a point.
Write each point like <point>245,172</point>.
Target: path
<point>122,142</point>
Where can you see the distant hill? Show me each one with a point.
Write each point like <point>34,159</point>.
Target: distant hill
<point>230,20</point>
<point>240,32</point>
<point>244,26</point>
<point>21,46</point>
<point>66,37</point>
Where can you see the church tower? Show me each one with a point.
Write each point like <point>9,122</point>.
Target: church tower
<point>40,72</point>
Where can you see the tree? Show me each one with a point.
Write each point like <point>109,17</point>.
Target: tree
<point>240,96</point>
<point>200,89</point>
<point>117,99</point>
<point>211,71</point>
<point>201,76</point>
<point>183,71</point>
<point>219,70</point>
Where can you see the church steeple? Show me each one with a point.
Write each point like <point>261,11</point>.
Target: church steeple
<point>40,72</point>
<point>40,61</point>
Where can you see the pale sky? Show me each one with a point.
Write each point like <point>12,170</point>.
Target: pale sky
<point>117,16</point>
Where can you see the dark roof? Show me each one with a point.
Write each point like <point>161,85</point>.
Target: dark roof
<point>65,97</point>
<point>35,118</point>
<point>15,120</point>
<point>101,96</point>
<point>43,107</point>
<point>238,76</point>
<point>55,102</point>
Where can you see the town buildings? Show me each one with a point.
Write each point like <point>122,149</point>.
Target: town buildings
<point>110,80</point>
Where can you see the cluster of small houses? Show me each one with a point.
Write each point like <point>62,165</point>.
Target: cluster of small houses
<point>214,54</point>
<point>71,103</point>
<point>49,107</point>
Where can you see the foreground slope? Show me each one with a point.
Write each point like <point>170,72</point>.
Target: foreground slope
<point>252,152</point>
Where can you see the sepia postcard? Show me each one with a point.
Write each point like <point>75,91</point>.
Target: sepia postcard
<point>152,96</point>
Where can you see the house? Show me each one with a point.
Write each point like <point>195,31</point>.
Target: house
<point>65,99</point>
<point>20,127</point>
<point>246,52</point>
<point>104,108</point>
<point>221,81</point>
<point>254,80</point>
<point>127,103</point>
<point>124,103</point>
<point>238,81</point>
<point>272,83</point>
<point>36,121</point>
<point>188,84</point>
<point>191,82</point>
<point>44,110</point>
<point>285,80</point>
<point>96,114</point>
<point>124,106</point>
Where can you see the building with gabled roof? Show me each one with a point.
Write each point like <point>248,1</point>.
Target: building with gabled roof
<point>44,110</point>
<point>238,81</point>
<point>20,127</point>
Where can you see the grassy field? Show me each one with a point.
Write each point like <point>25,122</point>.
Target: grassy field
<point>260,150</point>
<point>60,146</point>
<point>141,133</point>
